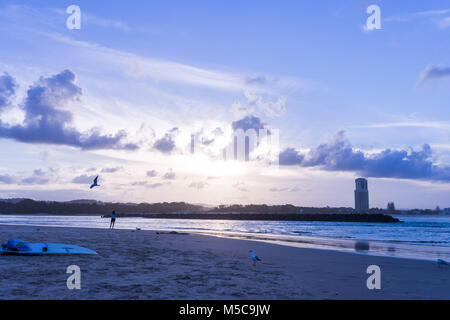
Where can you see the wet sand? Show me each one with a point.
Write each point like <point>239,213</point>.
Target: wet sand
<point>147,265</point>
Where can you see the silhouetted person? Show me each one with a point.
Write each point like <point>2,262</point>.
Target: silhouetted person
<point>113,220</point>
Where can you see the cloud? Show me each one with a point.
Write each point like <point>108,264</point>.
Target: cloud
<point>139,183</point>
<point>275,108</point>
<point>7,89</point>
<point>35,180</point>
<point>84,179</point>
<point>410,123</point>
<point>152,173</point>
<point>169,175</point>
<point>433,72</point>
<point>48,122</point>
<point>166,144</point>
<point>7,179</point>
<point>39,172</point>
<point>444,23</point>
<point>339,155</point>
<point>155,185</point>
<point>256,79</point>
<point>39,177</point>
<point>290,157</point>
<point>105,23</point>
<point>111,170</point>
<point>429,14</point>
<point>256,102</point>
<point>198,185</point>
<point>147,185</point>
<point>249,122</point>
<point>293,189</point>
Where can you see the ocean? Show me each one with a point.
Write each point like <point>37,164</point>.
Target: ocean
<point>417,237</point>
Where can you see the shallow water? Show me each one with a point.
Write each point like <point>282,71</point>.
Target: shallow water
<point>417,237</point>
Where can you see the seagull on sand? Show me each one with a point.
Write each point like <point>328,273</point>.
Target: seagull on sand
<point>95,184</point>
<point>254,257</point>
<point>441,262</point>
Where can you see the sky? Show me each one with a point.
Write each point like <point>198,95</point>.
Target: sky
<point>148,95</point>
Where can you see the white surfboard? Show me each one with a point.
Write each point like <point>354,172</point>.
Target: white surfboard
<point>48,249</point>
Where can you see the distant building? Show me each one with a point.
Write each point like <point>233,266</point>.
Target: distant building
<point>361,195</point>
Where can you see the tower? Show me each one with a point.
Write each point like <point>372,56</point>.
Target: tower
<point>361,195</point>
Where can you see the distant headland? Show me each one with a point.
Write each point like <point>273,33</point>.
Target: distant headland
<point>182,210</point>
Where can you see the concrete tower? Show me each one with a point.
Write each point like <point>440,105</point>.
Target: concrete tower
<point>361,196</point>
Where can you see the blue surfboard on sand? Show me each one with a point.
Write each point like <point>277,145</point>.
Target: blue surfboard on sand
<point>19,247</point>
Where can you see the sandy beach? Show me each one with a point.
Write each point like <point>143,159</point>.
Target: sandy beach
<point>148,265</point>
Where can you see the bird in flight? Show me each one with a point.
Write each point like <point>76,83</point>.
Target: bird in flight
<point>254,257</point>
<point>95,184</point>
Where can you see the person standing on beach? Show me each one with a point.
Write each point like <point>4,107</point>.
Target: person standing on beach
<point>113,220</point>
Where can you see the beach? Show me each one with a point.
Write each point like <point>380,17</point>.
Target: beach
<point>161,265</point>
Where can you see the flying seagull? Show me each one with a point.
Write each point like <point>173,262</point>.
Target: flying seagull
<point>95,184</point>
<point>441,262</point>
<point>254,257</point>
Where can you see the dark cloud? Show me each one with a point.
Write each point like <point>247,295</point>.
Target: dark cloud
<point>7,179</point>
<point>111,170</point>
<point>39,177</point>
<point>152,173</point>
<point>339,155</point>
<point>84,179</point>
<point>169,175</point>
<point>207,141</point>
<point>39,172</point>
<point>433,72</point>
<point>290,157</point>
<point>47,122</point>
<point>166,144</point>
<point>249,122</point>
<point>7,89</point>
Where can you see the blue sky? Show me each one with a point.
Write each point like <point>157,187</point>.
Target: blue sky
<point>121,97</point>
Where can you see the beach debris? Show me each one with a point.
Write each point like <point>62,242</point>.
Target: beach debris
<point>362,246</point>
<point>37,229</point>
<point>95,184</point>
<point>138,229</point>
<point>441,262</point>
<point>173,232</point>
<point>254,257</point>
<point>20,247</point>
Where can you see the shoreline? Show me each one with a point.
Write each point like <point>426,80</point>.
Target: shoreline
<point>382,248</point>
<point>147,265</point>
